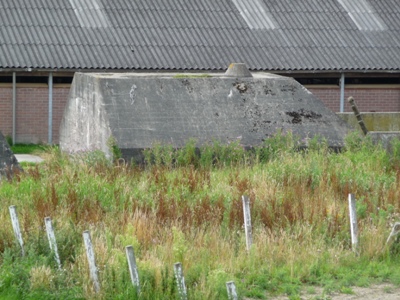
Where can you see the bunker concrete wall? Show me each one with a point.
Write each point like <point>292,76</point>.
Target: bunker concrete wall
<point>139,110</point>
<point>85,126</point>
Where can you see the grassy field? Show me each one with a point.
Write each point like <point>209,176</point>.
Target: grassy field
<point>185,207</point>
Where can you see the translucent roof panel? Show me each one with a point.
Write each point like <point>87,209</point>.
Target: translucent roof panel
<point>363,15</point>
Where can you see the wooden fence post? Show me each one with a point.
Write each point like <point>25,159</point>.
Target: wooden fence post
<point>133,270</point>
<point>353,222</point>
<point>247,222</point>
<point>231,288</point>
<point>94,272</point>
<point>180,280</point>
<point>52,240</point>
<point>15,224</point>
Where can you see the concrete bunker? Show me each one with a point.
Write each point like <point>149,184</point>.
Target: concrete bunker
<point>136,110</point>
<point>8,163</point>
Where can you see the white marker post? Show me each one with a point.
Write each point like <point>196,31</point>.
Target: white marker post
<point>133,270</point>
<point>94,273</point>
<point>247,222</point>
<point>231,288</point>
<point>353,222</point>
<point>180,280</point>
<point>395,231</point>
<point>15,224</point>
<point>52,240</point>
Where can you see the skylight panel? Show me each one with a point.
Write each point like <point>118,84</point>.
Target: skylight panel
<point>89,13</point>
<point>255,14</point>
<point>363,15</point>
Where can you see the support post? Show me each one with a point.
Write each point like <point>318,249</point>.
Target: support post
<point>180,281</point>
<point>94,272</point>
<point>231,289</point>
<point>342,84</point>
<point>14,106</point>
<point>52,240</point>
<point>50,137</point>
<point>15,224</point>
<point>133,270</point>
<point>353,223</point>
<point>247,222</point>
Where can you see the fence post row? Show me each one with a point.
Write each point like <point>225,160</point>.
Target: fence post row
<point>16,228</point>
<point>94,273</point>
<point>180,280</point>
<point>247,222</point>
<point>231,288</point>
<point>133,270</point>
<point>52,240</point>
<point>353,222</point>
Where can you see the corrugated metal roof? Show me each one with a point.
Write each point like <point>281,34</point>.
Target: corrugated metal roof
<point>284,35</point>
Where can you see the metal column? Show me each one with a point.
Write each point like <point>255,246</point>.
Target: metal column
<point>50,138</point>
<point>342,83</point>
<point>14,106</point>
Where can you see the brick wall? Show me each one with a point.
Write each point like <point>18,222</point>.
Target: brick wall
<point>368,99</point>
<point>32,112</point>
<point>6,110</point>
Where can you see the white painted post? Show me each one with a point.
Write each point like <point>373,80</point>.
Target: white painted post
<point>353,222</point>
<point>133,270</point>
<point>94,273</point>
<point>395,231</point>
<point>231,288</point>
<point>52,240</point>
<point>247,222</point>
<point>15,224</point>
<point>180,280</point>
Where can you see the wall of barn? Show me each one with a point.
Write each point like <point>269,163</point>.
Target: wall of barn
<point>370,98</point>
<point>32,111</point>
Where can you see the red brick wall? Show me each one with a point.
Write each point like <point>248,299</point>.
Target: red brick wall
<point>6,110</point>
<point>371,99</point>
<point>32,112</point>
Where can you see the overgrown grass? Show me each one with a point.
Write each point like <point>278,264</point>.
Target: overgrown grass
<point>185,205</point>
<point>29,148</point>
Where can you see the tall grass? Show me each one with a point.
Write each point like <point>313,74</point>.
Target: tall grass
<point>185,205</point>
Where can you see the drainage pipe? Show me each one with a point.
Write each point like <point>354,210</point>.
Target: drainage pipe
<point>14,106</point>
<point>50,140</point>
<point>342,79</point>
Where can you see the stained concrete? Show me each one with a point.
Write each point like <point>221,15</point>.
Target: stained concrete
<point>138,110</point>
<point>8,163</point>
<point>28,158</point>
<point>385,138</point>
<point>374,121</point>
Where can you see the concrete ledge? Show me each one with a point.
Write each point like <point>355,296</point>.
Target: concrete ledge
<point>28,158</point>
<point>389,121</point>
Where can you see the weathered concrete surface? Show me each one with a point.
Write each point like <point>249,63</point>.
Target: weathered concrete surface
<point>385,138</point>
<point>386,121</point>
<point>8,163</point>
<point>141,109</point>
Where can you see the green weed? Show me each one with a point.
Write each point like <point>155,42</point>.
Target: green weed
<point>185,205</point>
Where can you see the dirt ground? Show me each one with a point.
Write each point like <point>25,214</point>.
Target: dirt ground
<point>375,292</point>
